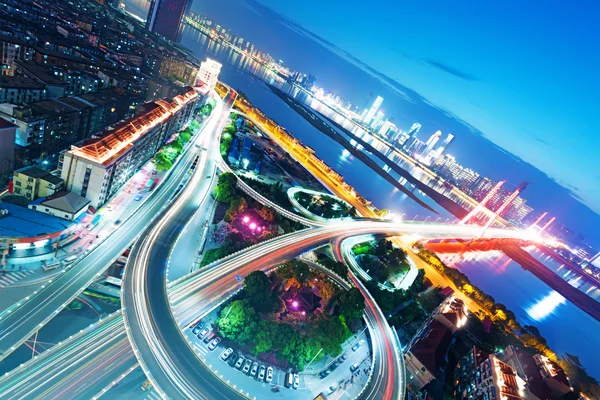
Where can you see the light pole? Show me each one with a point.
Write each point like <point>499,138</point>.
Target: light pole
<point>313,359</point>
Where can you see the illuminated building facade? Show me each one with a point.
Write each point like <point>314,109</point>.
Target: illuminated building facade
<point>373,110</point>
<point>96,169</point>
<point>209,74</point>
<point>480,375</point>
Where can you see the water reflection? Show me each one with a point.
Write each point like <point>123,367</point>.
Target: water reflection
<point>546,306</point>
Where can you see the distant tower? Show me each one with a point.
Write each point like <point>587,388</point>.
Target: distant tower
<point>165,17</point>
<point>373,109</point>
<point>412,135</point>
<point>431,143</point>
<point>446,143</point>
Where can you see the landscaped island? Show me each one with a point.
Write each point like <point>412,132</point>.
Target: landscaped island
<point>294,316</point>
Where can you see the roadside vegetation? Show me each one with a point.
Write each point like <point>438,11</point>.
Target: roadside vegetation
<point>240,221</point>
<point>295,315</point>
<point>324,206</point>
<point>385,263</point>
<point>169,152</point>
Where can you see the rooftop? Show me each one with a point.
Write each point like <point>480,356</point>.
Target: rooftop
<point>33,172</point>
<point>22,222</point>
<point>19,82</point>
<point>66,201</point>
<point>431,348</point>
<point>114,142</point>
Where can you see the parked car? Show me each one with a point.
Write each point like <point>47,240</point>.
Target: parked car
<point>226,353</point>
<point>247,365</point>
<point>254,369</point>
<point>354,367</point>
<point>269,377</point>
<point>343,358</point>
<point>215,342</point>
<point>261,373</point>
<point>209,337</point>
<point>323,374</point>
<point>233,359</point>
<point>355,347</point>
<point>197,329</point>
<point>203,332</point>
<point>334,365</point>
<point>240,362</point>
<point>296,381</point>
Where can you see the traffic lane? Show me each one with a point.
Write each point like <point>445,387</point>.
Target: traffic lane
<point>145,276</point>
<point>71,363</point>
<point>387,370</point>
<point>25,320</point>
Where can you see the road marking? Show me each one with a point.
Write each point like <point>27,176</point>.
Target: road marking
<point>9,278</point>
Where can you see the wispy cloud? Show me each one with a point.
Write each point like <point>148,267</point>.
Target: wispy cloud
<point>452,71</point>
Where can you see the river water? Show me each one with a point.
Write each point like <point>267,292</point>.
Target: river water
<point>565,327</point>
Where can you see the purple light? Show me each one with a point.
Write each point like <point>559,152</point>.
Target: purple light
<point>253,226</point>
<point>246,219</point>
<point>295,304</point>
<point>303,312</point>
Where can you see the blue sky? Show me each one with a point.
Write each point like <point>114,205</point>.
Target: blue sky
<point>523,73</point>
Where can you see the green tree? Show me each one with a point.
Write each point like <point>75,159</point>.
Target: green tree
<point>257,290</point>
<point>264,339</point>
<point>352,303</point>
<point>237,206</point>
<point>238,322</point>
<point>332,332</point>
<point>162,162</point>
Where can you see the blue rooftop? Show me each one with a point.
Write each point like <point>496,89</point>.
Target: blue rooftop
<point>21,222</point>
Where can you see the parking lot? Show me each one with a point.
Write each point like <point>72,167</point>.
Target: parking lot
<point>244,371</point>
<point>245,374</point>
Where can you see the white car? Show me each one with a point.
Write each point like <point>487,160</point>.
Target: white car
<point>215,342</point>
<point>269,374</point>
<point>240,362</point>
<point>226,353</point>
<point>247,365</point>
<point>261,373</point>
<point>203,333</point>
<point>254,369</point>
<point>296,381</point>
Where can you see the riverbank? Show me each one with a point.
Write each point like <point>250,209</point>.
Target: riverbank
<point>314,118</point>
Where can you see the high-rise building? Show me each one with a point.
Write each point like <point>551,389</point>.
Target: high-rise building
<point>433,139</point>
<point>165,17</point>
<point>377,120</point>
<point>208,75</point>
<point>595,261</point>
<point>373,110</point>
<point>446,143</point>
<point>387,128</point>
<point>412,135</point>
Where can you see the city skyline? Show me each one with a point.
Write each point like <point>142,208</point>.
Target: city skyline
<point>220,203</point>
<point>572,209</point>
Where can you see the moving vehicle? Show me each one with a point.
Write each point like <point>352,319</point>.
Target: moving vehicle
<point>240,362</point>
<point>138,197</point>
<point>254,369</point>
<point>203,332</point>
<point>215,342</point>
<point>51,265</point>
<point>269,377</point>
<point>69,260</point>
<point>226,353</point>
<point>247,365</point>
<point>261,373</point>
<point>354,367</point>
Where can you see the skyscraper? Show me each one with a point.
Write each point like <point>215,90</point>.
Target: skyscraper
<point>412,135</point>
<point>431,143</point>
<point>165,17</point>
<point>373,109</point>
<point>377,121</point>
<point>446,143</point>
